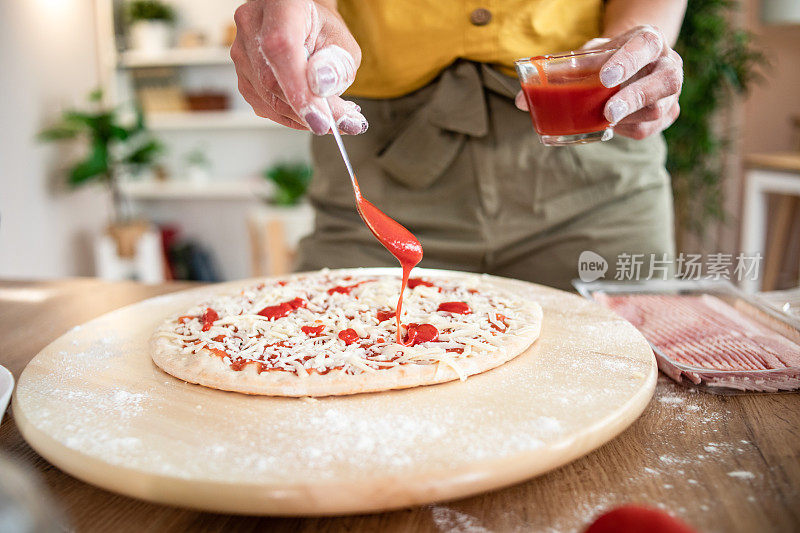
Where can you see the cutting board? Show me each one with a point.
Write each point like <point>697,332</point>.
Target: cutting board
<point>94,405</point>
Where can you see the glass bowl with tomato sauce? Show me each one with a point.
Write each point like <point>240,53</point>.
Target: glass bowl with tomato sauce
<point>565,96</point>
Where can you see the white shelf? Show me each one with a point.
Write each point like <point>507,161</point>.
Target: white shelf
<point>186,190</point>
<point>175,57</point>
<point>209,120</point>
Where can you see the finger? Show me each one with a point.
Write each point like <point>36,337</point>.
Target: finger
<point>597,42</point>
<point>349,119</point>
<point>330,71</point>
<point>665,80</point>
<point>253,68</point>
<point>273,97</point>
<point>656,111</point>
<point>520,101</point>
<point>261,79</point>
<point>641,48</point>
<point>346,116</point>
<point>260,89</point>
<point>262,107</point>
<point>258,95</point>
<point>618,40</point>
<point>642,130</point>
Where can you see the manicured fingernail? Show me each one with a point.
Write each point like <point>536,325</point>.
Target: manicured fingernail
<point>316,121</point>
<point>520,102</point>
<point>611,76</point>
<point>617,109</point>
<point>324,81</point>
<point>352,124</point>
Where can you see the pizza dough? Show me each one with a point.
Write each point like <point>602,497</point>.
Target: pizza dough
<point>334,332</point>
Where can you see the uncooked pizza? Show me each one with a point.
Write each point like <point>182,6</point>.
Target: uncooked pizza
<point>338,332</point>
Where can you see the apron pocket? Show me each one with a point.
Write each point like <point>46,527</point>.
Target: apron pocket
<point>577,178</point>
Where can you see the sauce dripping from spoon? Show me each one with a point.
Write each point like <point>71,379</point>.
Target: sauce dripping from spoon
<point>400,242</point>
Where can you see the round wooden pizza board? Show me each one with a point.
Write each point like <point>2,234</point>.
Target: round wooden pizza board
<point>95,405</point>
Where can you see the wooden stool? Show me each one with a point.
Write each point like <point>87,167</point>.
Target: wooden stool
<point>274,235</point>
<point>773,173</point>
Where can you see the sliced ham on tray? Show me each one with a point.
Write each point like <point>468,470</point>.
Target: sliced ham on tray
<point>709,341</point>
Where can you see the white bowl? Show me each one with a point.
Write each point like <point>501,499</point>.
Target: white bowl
<point>6,386</point>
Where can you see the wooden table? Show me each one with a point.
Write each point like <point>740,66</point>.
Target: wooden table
<point>722,463</point>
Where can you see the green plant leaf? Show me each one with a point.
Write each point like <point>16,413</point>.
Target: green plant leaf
<point>145,10</point>
<point>80,117</point>
<point>111,143</point>
<point>95,166</point>
<point>58,132</point>
<point>291,181</point>
<point>144,154</point>
<point>96,95</point>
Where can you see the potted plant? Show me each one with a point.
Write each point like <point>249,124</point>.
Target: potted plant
<point>198,166</point>
<point>291,181</point>
<point>117,147</point>
<point>720,63</point>
<point>150,24</point>
<point>277,229</point>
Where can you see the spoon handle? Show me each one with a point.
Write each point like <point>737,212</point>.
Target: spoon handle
<point>342,149</point>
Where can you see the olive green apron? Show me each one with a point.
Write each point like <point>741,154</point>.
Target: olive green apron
<point>460,166</point>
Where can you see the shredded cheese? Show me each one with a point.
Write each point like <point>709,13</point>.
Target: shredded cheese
<point>242,336</point>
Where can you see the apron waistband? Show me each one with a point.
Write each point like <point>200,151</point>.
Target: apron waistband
<point>433,137</point>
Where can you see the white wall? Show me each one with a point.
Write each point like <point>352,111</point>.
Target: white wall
<point>772,104</point>
<point>47,59</point>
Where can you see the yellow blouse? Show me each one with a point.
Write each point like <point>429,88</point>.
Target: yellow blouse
<point>406,43</point>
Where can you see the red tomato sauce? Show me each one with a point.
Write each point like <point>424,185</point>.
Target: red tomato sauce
<point>457,308</point>
<point>313,331</point>
<point>569,108</point>
<point>419,333</point>
<point>208,319</point>
<point>274,312</point>
<point>385,315</point>
<point>344,289</point>
<point>413,283</point>
<point>349,336</point>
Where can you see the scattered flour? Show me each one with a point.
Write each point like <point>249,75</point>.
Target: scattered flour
<point>451,521</point>
<point>616,364</point>
<point>674,460</point>
<point>742,474</point>
<point>672,400</point>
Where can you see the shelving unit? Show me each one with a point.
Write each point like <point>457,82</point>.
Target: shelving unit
<point>175,57</point>
<point>202,66</point>
<point>186,190</point>
<point>238,144</point>
<point>208,120</point>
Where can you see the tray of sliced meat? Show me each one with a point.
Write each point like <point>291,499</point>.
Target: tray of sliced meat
<point>707,333</point>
